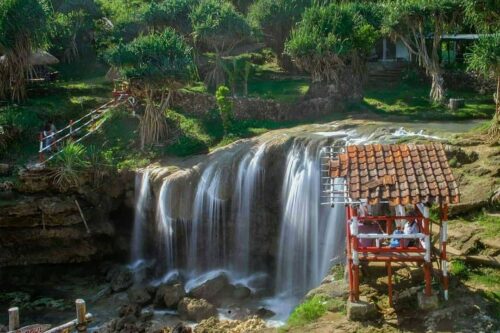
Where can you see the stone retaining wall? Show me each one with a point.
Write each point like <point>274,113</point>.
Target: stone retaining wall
<point>259,109</point>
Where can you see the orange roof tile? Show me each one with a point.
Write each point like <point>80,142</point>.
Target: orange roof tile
<point>401,174</point>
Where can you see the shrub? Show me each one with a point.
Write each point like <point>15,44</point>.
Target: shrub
<point>225,108</point>
<point>459,269</point>
<point>308,311</point>
<point>69,165</point>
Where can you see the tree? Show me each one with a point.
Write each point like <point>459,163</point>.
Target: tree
<point>275,18</point>
<point>218,27</point>
<point>242,5</point>
<point>332,43</point>
<point>484,59</point>
<point>172,13</point>
<point>412,21</point>
<point>157,64</point>
<point>24,28</point>
<point>73,26</point>
<point>484,15</point>
<point>225,108</point>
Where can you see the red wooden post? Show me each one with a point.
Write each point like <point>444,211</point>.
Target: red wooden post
<point>355,253</point>
<point>444,257</point>
<point>427,264</point>
<point>389,281</point>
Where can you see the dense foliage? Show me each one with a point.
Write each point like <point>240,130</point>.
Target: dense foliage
<point>275,18</point>
<point>156,63</point>
<point>332,43</point>
<point>170,13</point>
<point>24,28</point>
<point>485,60</point>
<point>412,21</point>
<point>218,27</point>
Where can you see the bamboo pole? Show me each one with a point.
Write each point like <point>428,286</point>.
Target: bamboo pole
<point>13,319</point>
<point>81,311</point>
<point>83,217</point>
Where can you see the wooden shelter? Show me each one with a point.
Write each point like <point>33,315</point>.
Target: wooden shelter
<point>372,180</point>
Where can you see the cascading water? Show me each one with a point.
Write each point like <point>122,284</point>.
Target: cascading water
<point>310,234</point>
<point>247,188</point>
<point>207,248</point>
<point>142,197</point>
<point>233,218</point>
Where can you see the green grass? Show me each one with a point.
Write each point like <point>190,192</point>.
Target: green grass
<point>489,224</point>
<point>283,90</point>
<point>308,311</point>
<point>81,88</point>
<point>411,100</point>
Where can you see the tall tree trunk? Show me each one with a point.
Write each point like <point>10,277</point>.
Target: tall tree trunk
<point>153,125</point>
<point>494,131</point>
<point>437,93</point>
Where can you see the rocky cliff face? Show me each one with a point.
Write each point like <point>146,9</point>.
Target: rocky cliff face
<point>41,223</point>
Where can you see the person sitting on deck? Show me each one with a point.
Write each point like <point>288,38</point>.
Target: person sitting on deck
<point>411,227</point>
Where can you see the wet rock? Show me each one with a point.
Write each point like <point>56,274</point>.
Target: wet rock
<point>427,303</point>
<point>122,279</point>
<point>196,309</point>
<point>181,328</point>
<point>139,295</point>
<point>5,169</point>
<point>147,314</point>
<point>169,295</point>
<point>241,292</point>
<point>211,289</point>
<point>264,313</point>
<point>457,156</point>
<point>331,290</point>
<point>213,325</point>
<point>129,310</point>
<point>495,198</point>
<point>361,310</point>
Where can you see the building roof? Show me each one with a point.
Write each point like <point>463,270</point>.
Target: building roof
<point>399,173</point>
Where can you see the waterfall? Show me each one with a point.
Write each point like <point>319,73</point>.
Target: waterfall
<point>310,234</point>
<point>247,188</point>
<point>216,217</point>
<point>206,243</point>
<point>166,224</point>
<point>141,204</point>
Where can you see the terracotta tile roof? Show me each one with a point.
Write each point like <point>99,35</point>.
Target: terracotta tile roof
<point>400,174</point>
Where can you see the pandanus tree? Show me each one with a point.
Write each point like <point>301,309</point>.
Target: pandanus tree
<point>156,64</point>
<point>420,24</point>
<point>332,43</point>
<point>73,27</point>
<point>484,59</point>
<point>24,28</point>
<point>275,19</point>
<point>219,28</point>
<point>170,13</point>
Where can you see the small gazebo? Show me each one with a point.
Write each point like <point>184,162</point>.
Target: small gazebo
<point>387,191</point>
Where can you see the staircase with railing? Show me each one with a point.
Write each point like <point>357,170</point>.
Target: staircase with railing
<point>51,142</point>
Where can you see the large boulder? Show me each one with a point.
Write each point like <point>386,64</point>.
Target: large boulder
<point>212,288</point>
<point>332,289</point>
<point>139,295</point>
<point>122,279</point>
<point>169,295</point>
<point>196,309</point>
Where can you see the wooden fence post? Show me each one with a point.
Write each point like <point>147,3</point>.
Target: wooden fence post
<point>81,311</point>
<point>13,319</point>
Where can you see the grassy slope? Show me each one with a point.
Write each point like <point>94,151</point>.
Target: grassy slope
<point>410,99</point>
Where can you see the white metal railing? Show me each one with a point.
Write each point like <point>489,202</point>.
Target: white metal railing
<point>88,123</point>
<point>333,191</point>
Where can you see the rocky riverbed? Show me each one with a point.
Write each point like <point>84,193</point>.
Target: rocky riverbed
<point>48,258</point>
